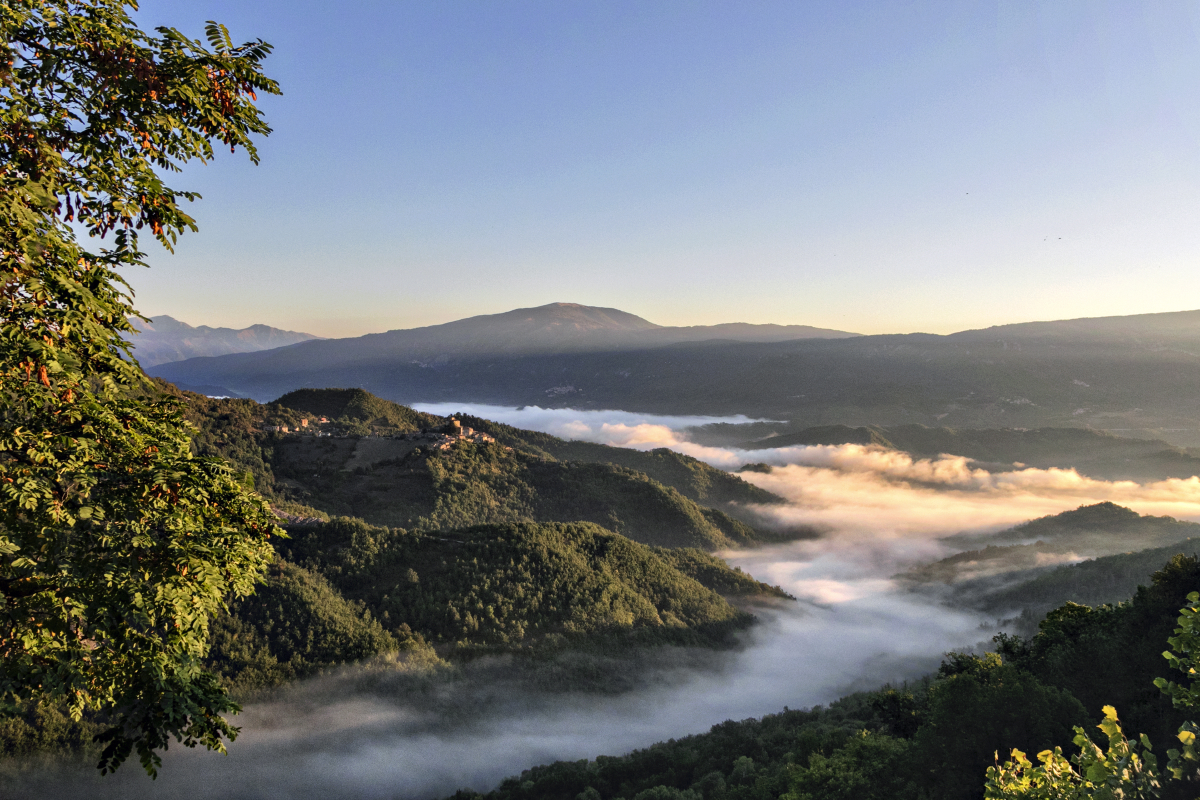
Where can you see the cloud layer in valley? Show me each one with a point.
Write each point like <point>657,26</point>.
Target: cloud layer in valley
<point>865,490</point>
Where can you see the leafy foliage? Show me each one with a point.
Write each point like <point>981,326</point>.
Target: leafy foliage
<point>117,545</point>
<point>291,628</point>
<point>1111,655</point>
<point>1127,769</point>
<point>509,585</point>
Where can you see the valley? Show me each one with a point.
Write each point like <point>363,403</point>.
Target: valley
<point>870,470</point>
<point>449,579</point>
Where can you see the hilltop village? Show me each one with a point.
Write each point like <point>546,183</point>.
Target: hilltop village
<point>440,438</point>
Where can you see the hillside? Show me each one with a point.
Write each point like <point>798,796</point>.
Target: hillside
<point>1086,532</point>
<point>1097,581</point>
<point>165,339</point>
<point>505,584</point>
<point>1092,555</point>
<point>357,411</point>
<point>689,476</point>
<point>388,479</point>
<point>345,591</point>
<point>471,484</point>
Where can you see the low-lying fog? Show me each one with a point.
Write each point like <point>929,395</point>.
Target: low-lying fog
<point>358,735</point>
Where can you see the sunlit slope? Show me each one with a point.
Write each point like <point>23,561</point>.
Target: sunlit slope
<point>505,584</point>
<point>523,476</point>
<point>691,477</point>
<point>358,411</point>
<point>345,591</point>
<point>1117,373</point>
<point>472,484</point>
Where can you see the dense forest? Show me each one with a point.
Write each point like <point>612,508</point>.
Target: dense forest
<point>345,591</point>
<point>932,738</point>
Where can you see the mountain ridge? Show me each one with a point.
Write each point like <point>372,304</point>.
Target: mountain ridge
<point>165,339</point>
<point>552,328</point>
<point>1118,374</point>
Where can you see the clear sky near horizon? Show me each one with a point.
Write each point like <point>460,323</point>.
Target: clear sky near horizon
<point>870,166</point>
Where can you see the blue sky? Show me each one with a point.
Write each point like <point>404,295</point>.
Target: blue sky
<point>877,167</point>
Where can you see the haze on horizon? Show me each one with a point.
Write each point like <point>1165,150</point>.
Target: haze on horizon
<point>880,167</point>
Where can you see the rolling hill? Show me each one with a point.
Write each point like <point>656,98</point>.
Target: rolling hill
<point>1093,554</point>
<point>364,466</point>
<point>345,591</point>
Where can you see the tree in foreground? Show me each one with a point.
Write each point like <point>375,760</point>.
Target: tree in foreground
<point>1127,768</point>
<point>116,544</point>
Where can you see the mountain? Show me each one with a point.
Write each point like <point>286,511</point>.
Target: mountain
<point>1137,375</point>
<point>1164,328</point>
<point>165,339</point>
<point>557,328</point>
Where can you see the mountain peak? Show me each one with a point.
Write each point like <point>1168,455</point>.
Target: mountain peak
<point>573,315</point>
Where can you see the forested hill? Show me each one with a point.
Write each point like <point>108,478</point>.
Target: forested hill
<point>523,476</point>
<point>345,590</point>
<point>1089,531</point>
<point>1093,554</point>
<point>483,546</point>
<point>689,476</point>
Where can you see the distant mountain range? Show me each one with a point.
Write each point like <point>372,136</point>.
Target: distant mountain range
<point>1133,375</point>
<point>554,328</point>
<point>165,339</point>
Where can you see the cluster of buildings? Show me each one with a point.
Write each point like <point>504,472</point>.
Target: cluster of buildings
<point>447,436</point>
<point>441,438</point>
<point>303,424</point>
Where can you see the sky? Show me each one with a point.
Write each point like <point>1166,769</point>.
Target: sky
<point>866,166</point>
